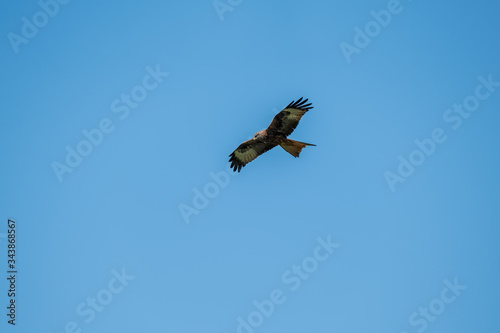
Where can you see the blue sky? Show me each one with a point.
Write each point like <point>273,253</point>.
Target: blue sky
<point>117,122</point>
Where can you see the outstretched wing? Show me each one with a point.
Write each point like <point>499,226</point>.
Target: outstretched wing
<point>247,152</point>
<point>288,119</point>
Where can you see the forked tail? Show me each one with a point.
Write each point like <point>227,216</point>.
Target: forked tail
<point>294,147</point>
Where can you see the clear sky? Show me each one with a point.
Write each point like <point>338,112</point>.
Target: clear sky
<point>116,125</point>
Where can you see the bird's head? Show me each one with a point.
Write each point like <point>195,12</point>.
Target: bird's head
<point>260,135</point>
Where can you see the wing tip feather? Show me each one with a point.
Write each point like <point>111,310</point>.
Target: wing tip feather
<point>300,104</point>
<point>236,164</point>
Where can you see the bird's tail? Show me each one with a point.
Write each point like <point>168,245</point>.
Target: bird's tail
<point>294,147</point>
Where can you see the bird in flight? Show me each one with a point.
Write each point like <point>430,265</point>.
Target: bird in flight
<point>276,134</point>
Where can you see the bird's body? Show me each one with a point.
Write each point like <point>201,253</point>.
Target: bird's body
<point>271,138</point>
<point>276,134</point>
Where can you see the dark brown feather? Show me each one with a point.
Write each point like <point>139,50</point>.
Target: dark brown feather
<point>287,120</point>
<point>249,151</point>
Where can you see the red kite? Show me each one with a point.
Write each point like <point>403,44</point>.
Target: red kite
<point>276,134</point>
